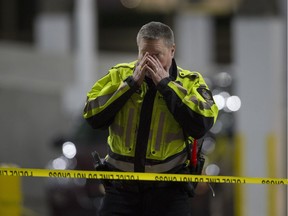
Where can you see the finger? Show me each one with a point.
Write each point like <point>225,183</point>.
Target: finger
<point>142,60</point>
<point>159,64</point>
<point>152,63</point>
<point>152,60</point>
<point>157,61</point>
<point>154,76</point>
<point>153,73</point>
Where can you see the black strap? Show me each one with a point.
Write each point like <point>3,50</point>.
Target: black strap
<point>143,130</point>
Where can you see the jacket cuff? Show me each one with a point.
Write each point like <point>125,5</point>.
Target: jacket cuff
<point>131,82</point>
<point>162,85</point>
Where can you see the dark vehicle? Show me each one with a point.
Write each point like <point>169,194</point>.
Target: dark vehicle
<point>72,196</point>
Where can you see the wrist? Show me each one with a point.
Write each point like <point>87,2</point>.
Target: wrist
<point>131,82</point>
<point>163,83</point>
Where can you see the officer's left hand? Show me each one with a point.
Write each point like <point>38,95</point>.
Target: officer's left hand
<point>156,70</point>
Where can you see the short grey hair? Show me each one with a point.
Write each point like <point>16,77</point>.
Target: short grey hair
<point>155,31</point>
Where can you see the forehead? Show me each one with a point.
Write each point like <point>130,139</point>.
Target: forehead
<point>152,45</point>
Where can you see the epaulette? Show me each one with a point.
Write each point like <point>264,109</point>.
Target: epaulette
<point>130,65</point>
<point>187,73</point>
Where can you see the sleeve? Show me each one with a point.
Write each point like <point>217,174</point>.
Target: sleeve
<point>106,98</point>
<point>192,104</point>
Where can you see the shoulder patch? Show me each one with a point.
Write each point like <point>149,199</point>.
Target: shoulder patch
<point>206,94</point>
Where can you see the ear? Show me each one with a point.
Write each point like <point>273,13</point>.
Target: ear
<point>173,50</point>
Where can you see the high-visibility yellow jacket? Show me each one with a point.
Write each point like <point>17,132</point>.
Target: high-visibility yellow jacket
<point>147,124</point>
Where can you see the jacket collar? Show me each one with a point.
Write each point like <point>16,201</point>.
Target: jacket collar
<point>173,71</point>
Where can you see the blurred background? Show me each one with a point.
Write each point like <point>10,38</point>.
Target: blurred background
<point>52,51</point>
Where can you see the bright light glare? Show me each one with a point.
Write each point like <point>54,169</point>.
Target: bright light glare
<point>224,79</point>
<point>212,170</point>
<point>59,163</point>
<point>208,145</point>
<point>217,127</point>
<point>220,101</point>
<point>69,150</point>
<point>225,94</point>
<point>233,103</point>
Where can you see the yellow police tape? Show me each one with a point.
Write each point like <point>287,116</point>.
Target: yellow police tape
<point>24,172</point>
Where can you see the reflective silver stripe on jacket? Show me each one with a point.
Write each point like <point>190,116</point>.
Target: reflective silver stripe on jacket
<point>160,131</point>
<point>119,130</point>
<point>129,126</point>
<point>101,100</point>
<point>174,136</point>
<point>181,88</point>
<point>159,168</point>
<point>170,137</point>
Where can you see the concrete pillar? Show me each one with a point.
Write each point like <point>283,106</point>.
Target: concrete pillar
<point>53,33</point>
<point>53,27</point>
<point>194,40</point>
<point>260,75</point>
<point>85,43</point>
<point>85,56</point>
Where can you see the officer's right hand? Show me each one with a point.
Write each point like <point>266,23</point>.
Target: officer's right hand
<point>140,70</point>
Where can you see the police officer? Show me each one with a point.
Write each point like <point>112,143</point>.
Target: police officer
<point>151,106</point>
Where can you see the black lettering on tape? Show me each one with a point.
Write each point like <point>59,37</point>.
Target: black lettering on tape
<point>92,176</point>
<point>4,172</point>
<point>239,181</point>
<point>186,179</point>
<point>165,178</point>
<point>213,180</point>
<point>79,175</point>
<point>272,182</point>
<point>126,177</point>
<point>106,176</point>
<point>20,173</point>
<point>56,174</point>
